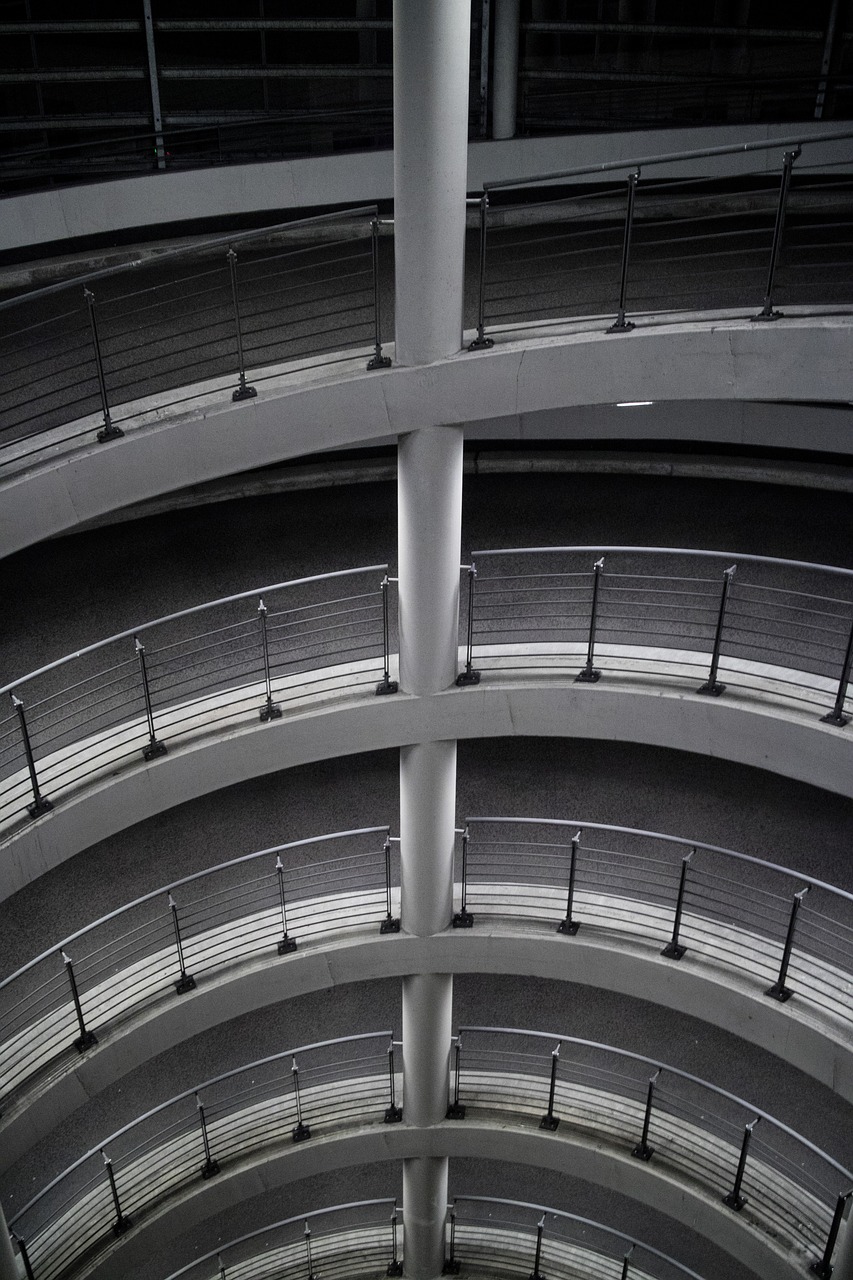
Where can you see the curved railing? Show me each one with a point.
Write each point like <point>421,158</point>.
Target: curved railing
<point>708,621</point>
<point>271,902</point>
<point>256,1110</point>
<point>230,661</point>
<point>115,344</point>
<point>787,933</point>
<point>702,1134</point>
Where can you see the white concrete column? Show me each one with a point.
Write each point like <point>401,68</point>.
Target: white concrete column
<point>427,836</point>
<point>425,1207</point>
<point>505,82</point>
<point>431,56</point>
<point>9,1269</point>
<point>427,1010</point>
<point>429,515</point>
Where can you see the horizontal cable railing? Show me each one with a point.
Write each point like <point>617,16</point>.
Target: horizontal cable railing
<point>244,657</point>
<point>271,902</point>
<point>787,933</point>
<point>114,342</point>
<point>347,1240</point>
<point>490,1236</point>
<point>709,621</point>
<point>670,242</point>
<point>258,1109</point>
<point>702,1134</point>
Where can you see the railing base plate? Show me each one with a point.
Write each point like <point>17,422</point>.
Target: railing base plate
<point>379,362</point>
<point>589,675</point>
<point>467,677</point>
<point>185,983</point>
<point>210,1169</point>
<point>244,393</point>
<point>456,1111</point>
<point>300,1132</point>
<point>87,1041</point>
<point>734,1202</point>
<point>121,1225</point>
<point>462,920</point>
<point>451,1268</point>
<point>481,343</point>
<point>154,749</point>
<point>832,718</point>
<point>272,711</point>
<point>394,1269</point>
<point>38,807</point>
<point>568,927</point>
<point>286,945</point>
<point>110,432</point>
<point>779,992</point>
<point>674,951</point>
<point>390,925</point>
<point>643,1151</point>
<point>385,687</point>
<point>393,1115</point>
<point>711,690</point>
<point>551,1123</point>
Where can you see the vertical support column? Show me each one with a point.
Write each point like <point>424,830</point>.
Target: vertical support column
<point>505,90</point>
<point>842,1261</point>
<point>8,1262</point>
<point>154,82</point>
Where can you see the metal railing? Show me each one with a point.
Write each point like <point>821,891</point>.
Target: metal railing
<point>707,620</point>
<point>675,241</point>
<point>217,318</point>
<point>695,1130</point>
<point>513,1237</point>
<point>244,657</point>
<point>271,902</point>
<point>362,1238</point>
<point>258,1109</point>
<point>788,933</point>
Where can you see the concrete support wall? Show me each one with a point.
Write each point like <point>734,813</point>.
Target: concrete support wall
<point>505,93</point>
<point>8,1261</point>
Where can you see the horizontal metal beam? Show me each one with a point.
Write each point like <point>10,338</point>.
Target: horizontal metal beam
<point>68,28</point>
<point>274,24</point>
<point>281,72</point>
<point>62,74</point>
<point>667,29</point>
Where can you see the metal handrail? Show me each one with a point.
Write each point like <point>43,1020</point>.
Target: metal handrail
<point>607,549</point>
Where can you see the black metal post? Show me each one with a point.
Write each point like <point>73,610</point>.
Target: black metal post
<point>823,1268</point>
<point>536,1274</point>
<point>393,1113</point>
<point>779,991</point>
<point>569,925</point>
<point>122,1222</point>
<point>153,747</point>
<point>836,715</point>
<point>25,1257</point>
<point>270,710</point>
<point>621,325</point>
<point>86,1039</point>
<point>243,391</point>
<point>549,1120</point>
<point>463,919</point>
<point>674,949</point>
<point>395,1266</point>
<point>311,1275</point>
<point>643,1151</point>
<point>386,684</point>
<point>109,431</point>
<point>481,342</point>
<point>469,675</point>
<point>40,803</point>
<point>456,1110</point>
<point>734,1199</point>
<point>299,1131</point>
<point>377,360</point>
<point>210,1168</point>
<point>391,923</point>
<point>222,1275</point>
<point>767,312</point>
<point>186,982</point>
<point>626,1262</point>
<point>286,944</point>
<point>451,1265</point>
<point>589,675</point>
<point>711,686</point>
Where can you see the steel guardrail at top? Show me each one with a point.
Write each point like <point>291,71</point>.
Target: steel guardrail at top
<point>697,1130</point>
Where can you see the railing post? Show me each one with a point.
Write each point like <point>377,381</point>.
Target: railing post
<point>40,803</point>
<point>734,1199</point>
<point>549,1120</point>
<point>767,312</point>
<point>674,949</point>
<point>626,1262</point>
<point>463,919</point>
<point>300,1131</point>
<point>122,1222</point>
<point>391,923</point>
<point>186,982</point>
<point>536,1274</point>
<point>210,1168</point>
<point>456,1110</point>
<point>589,675</point>
<point>395,1266</point>
<point>451,1264</point>
<point>153,747</point>
<point>621,325</point>
<point>109,431</point>
<point>778,990</point>
<point>286,944</point>
<point>711,685</point>
<point>643,1151</point>
<point>469,675</point>
<point>836,715</point>
<point>386,684</point>
<point>393,1113</point>
<point>270,710</point>
<point>377,360</point>
<point>823,1268</point>
<point>310,1263</point>
<point>25,1257</point>
<point>569,925</point>
<point>481,342</point>
<point>86,1039</point>
<point>222,1275</point>
<point>243,391</point>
